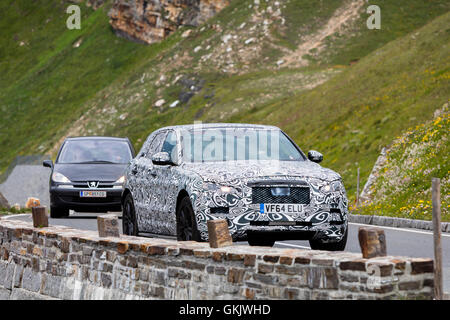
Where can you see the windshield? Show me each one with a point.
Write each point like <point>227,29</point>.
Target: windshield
<point>95,151</point>
<point>231,144</point>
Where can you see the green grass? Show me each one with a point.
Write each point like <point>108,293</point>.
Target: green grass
<point>397,19</point>
<point>46,83</point>
<point>403,188</point>
<point>356,113</point>
<point>12,210</point>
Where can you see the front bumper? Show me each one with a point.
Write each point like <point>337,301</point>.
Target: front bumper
<point>69,198</point>
<point>329,225</point>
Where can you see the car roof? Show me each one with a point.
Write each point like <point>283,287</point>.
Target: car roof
<point>97,138</point>
<point>220,126</point>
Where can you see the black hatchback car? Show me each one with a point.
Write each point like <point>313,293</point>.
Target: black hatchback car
<point>88,175</point>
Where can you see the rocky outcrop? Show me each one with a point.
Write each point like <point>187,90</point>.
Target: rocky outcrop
<point>95,4</point>
<point>366,194</point>
<point>151,21</point>
<point>3,202</point>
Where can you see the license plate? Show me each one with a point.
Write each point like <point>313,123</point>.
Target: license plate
<point>280,208</point>
<point>93,194</point>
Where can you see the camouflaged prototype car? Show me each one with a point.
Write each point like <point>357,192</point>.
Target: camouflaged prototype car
<point>253,176</point>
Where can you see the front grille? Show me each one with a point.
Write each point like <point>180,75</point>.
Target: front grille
<point>101,185</point>
<point>297,195</point>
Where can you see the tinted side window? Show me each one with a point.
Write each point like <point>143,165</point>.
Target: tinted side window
<point>170,145</point>
<point>155,145</point>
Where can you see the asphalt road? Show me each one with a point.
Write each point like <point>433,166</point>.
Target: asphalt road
<point>400,242</point>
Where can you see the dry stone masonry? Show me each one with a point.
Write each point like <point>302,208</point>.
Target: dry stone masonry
<point>150,21</point>
<point>63,263</point>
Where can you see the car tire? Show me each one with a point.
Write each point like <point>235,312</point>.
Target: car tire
<point>331,246</point>
<point>186,223</point>
<point>56,212</point>
<point>129,222</point>
<point>261,242</point>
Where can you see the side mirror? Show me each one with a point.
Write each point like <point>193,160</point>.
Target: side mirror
<point>315,156</point>
<point>162,159</point>
<point>48,163</point>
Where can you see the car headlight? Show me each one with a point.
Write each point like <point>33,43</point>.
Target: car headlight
<point>215,187</point>
<point>58,177</point>
<point>226,189</point>
<point>335,186</point>
<point>121,179</point>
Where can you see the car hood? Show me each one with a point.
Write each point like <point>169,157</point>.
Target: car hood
<point>222,172</point>
<point>91,172</point>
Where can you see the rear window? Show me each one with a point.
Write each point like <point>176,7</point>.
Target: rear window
<point>95,151</point>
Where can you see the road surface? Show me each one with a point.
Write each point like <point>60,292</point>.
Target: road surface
<point>400,242</point>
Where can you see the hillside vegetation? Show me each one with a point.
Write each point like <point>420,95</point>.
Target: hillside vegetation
<point>403,188</point>
<point>311,68</point>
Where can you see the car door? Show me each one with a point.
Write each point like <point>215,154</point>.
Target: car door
<point>166,188</point>
<point>149,186</point>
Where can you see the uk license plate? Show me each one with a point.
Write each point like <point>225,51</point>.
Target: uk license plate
<point>289,208</point>
<point>93,194</point>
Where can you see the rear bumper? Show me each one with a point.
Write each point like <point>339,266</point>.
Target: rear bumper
<point>69,198</point>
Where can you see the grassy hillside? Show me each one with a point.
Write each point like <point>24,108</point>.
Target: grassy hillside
<point>403,188</point>
<point>354,114</point>
<point>247,64</point>
<point>45,80</point>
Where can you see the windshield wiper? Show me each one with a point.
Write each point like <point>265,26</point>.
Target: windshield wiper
<point>97,161</point>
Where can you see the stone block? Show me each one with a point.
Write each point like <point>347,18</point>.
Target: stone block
<point>409,285</point>
<point>40,217</point>
<point>21,294</point>
<point>419,265</point>
<point>218,233</point>
<point>4,294</point>
<point>355,265</point>
<point>31,280</point>
<point>108,226</point>
<point>265,268</point>
<point>372,242</point>
<point>235,275</point>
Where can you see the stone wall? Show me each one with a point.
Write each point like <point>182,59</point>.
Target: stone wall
<point>64,263</point>
<point>151,21</point>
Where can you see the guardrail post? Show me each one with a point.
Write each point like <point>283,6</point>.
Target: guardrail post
<point>436,200</point>
<point>40,217</point>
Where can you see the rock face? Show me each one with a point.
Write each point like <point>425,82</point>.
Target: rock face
<point>95,4</point>
<point>151,21</point>
<point>3,202</point>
